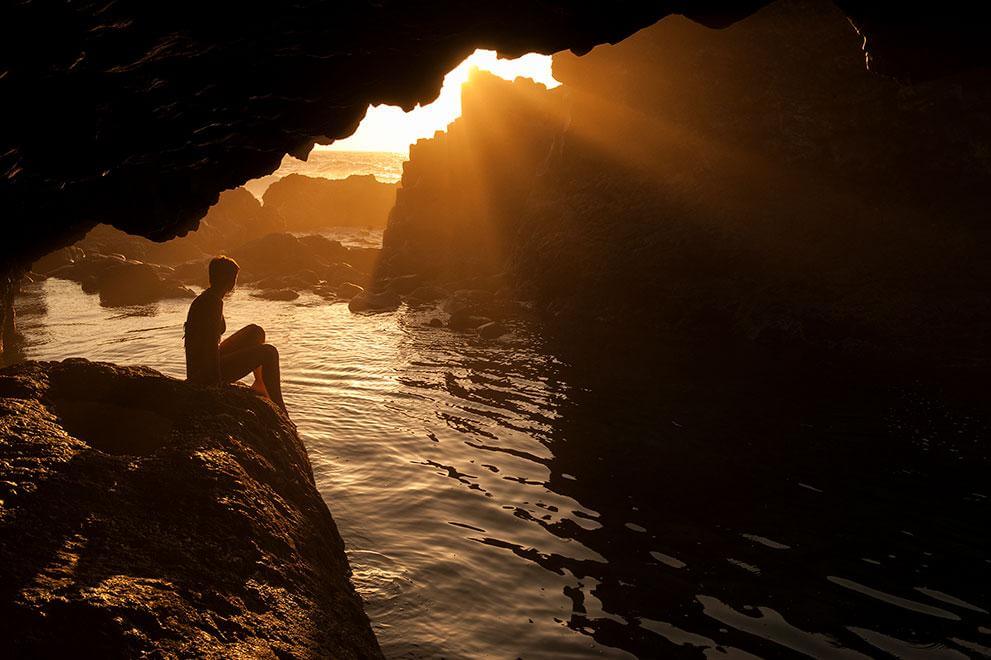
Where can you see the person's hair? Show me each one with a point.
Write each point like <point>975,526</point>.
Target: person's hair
<point>223,271</point>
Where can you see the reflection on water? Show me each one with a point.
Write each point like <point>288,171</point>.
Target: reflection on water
<point>518,498</point>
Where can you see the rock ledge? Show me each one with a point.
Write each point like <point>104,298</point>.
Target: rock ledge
<point>140,514</point>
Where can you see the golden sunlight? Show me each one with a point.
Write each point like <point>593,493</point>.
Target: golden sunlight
<point>388,128</point>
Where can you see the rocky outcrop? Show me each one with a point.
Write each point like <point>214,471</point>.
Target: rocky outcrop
<point>142,515</point>
<point>284,261</point>
<point>119,281</point>
<point>236,218</point>
<point>464,190</point>
<point>279,264</point>
<point>753,182</point>
<point>308,204</point>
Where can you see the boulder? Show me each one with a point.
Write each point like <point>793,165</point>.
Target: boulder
<point>367,301</point>
<point>136,283</point>
<point>90,266</point>
<point>284,254</point>
<point>308,203</point>
<point>329,251</point>
<point>338,273</point>
<point>147,516</point>
<point>492,330</point>
<point>57,259</point>
<point>348,290</point>
<point>193,272</point>
<point>403,284</point>
<point>468,300</point>
<point>276,294</point>
<point>302,279</point>
<point>364,259</point>
<point>463,320</point>
<point>427,293</point>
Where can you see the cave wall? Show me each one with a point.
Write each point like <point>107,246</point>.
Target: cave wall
<point>755,181</point>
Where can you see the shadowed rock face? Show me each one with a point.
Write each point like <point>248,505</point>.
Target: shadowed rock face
<point>755,181</point>
<point>144,514</point>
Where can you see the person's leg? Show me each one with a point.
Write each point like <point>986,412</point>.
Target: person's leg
<point>238,364</point>
<point>249,335</point>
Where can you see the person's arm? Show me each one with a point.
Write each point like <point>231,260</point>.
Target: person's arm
<point>214,321</point>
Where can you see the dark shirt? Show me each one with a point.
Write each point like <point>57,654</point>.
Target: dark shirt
<point>204,326</point>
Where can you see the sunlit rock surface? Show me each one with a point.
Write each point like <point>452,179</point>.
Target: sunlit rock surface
<point>141,515</point>
<point>313,203</point>
<point>753,182</point>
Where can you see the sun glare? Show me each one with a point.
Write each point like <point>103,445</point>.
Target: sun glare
<point>388,128</point>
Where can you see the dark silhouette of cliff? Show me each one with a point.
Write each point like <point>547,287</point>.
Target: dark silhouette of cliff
<point>753,182</point>
<point>312,203</point>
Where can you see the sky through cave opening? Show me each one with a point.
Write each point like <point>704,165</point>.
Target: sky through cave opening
<point>382,140</point>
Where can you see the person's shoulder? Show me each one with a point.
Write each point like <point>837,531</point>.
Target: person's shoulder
<point>207,301</point>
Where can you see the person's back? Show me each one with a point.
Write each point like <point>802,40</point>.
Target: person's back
<point>204,326</point>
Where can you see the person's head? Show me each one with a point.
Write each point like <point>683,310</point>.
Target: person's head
<point>223,273</point>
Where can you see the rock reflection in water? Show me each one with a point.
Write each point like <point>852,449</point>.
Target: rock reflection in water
<point>525,498</point>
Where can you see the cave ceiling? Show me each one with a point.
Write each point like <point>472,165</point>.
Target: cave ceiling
<point>139,114</point>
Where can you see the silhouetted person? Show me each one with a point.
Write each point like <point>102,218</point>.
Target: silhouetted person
<point>209,360</point>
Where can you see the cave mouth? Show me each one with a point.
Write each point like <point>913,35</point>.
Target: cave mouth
<point>114,429</point>
<point>388,128</point>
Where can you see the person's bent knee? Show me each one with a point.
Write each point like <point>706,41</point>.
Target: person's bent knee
<point>257,333</point>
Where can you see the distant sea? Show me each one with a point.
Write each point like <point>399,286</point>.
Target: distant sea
<point>385,166</point>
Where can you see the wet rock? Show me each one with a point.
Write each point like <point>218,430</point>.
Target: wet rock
<point>194,272</point>
<point>304,279</point>
<point>492,330</point>
<point>338,273</point>
<point>147,516</point>
<point>91,265</point>
<point>136,283</point>
<point>348,290</point>
<point>463,320</point>
<point>367,301</point>
<point>364,259</point>
<point>277,255</point>
<point>427,293</point>
<point>464,300</point>
<point>276,294</point>
<point>403,284</point>
<point>309,203</point>
<point>58,259</point>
